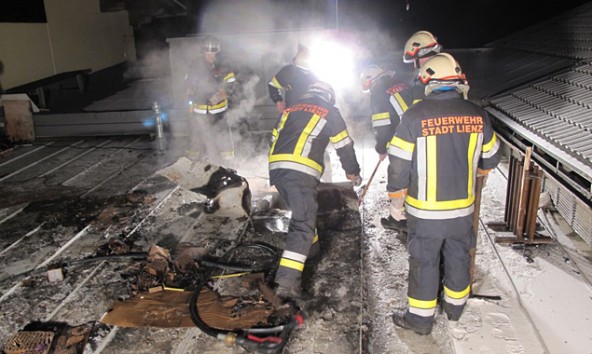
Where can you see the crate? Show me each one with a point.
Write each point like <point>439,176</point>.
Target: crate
<point>34,342</point>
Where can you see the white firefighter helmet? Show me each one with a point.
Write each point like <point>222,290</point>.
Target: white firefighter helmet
<point>322,90</point>
<point>369,74</point>
<point>420,45</point>
<point>440,71</point>
<point>210,44</point>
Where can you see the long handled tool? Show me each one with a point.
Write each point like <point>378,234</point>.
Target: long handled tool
<point>361,197</point>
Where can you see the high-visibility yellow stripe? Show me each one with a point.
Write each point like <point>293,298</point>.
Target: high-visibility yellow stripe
<point>306,133</point>
<point>296,158</point>
<point>315,239</point>
<point>276,83</point>
<point>401,102</point>
<point>402,144</point>
<point>432,168</point>
<point>422,304</point>
<point>416,100</point>
<point>219,105</point>
<point>288,263</point>
<point>379,116</point>
<point>229,76</point>
<point>457,294</point>
<point>344,134</point>
<point>279,128</point>
<point>440,205</point>
<point>470,158</point>
<point>490,144</point>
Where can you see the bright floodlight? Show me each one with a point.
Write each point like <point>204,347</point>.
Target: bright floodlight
<point>333,63</point>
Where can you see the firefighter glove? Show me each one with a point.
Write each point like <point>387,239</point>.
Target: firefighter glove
<point>356,180</point>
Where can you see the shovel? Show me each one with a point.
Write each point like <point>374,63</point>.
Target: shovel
<point>361,197</point>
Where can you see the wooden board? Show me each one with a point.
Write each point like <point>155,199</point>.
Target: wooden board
<point>19,120</point>
<point>169,309</point>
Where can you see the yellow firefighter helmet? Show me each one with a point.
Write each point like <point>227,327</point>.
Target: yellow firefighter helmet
<point>442,70</point>
<point>420,45</point>
<point>369,74</point>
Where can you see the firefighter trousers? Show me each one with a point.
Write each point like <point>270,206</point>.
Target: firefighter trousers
<point>211,136</point>
<point>300,193</point>
<point>428,240</point>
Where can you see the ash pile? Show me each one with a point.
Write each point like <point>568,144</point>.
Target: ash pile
<point>211,264</point>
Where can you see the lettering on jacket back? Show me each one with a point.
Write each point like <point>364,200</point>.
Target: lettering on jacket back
<point>450,125</point>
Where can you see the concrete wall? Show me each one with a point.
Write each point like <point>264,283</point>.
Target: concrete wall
<point>76,36</point>
<point>26,53</point>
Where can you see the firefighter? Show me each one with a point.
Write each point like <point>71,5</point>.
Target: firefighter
<point>209,82</point>
<point>382,87</point>
<point>288,85</point>
<point>441,145</point>
<point>421,46</point>
<point>299,140</point>
<point>285,89</point>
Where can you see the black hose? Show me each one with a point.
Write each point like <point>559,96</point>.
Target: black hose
<point>194,312</point>
<point>231,267</point>
<point>193,308</point>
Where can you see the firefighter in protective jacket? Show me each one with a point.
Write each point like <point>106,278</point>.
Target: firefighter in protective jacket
<point>421,46</point>
<point>441,145</point>
<point>383,87</point>
<point>289,84</point>
<point>295,167</point>
<point>208,82</point>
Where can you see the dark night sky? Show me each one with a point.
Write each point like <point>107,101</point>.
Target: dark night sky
<point>457,23</point>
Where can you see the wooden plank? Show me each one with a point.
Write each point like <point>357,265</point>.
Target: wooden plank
<point>508,209</point>
<point>525,185</point>
<point>516,196</point>
<point>473,250</point>
<point>533,203</point>
<point>19,120</point>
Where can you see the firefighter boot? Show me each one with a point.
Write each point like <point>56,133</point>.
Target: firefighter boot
<point>401,320</point>
<point>393,224</point>
<point>452,312</point>
<point>314,252</point>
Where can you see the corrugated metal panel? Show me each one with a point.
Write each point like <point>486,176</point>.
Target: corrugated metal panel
<point>573,210</point>
<point>558,108</point>
<point>567,35</point>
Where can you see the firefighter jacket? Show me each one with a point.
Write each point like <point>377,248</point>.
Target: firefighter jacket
<point>403,96</point>
<point>385,118</point>
<point>294,80</point>
<point>302,135</point>
<point>435,154</point>
<point>207,85</point>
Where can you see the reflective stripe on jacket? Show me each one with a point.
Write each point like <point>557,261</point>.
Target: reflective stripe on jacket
<point>435,153</point>
<point>204,81</point>
<point>302,135</point>
<point>210,108</point>
<point>385,118</point>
